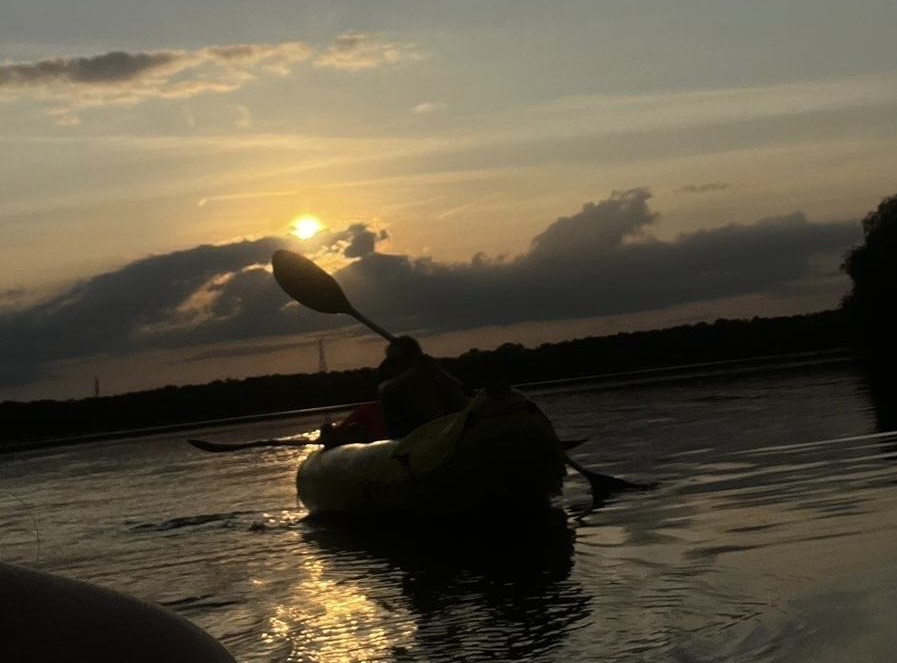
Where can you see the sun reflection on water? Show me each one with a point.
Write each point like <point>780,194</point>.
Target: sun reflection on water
<point>332,620</point>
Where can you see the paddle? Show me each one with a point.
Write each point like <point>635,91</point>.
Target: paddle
<point>310,285</point>
<point>224,447</point>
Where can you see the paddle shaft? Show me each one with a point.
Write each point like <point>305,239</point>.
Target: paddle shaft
<point>224,447</point>
<point>373,326</point>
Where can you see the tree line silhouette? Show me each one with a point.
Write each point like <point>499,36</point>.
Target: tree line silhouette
<point>511,363</point>
<point>869,307</point>
<point>864,320</point>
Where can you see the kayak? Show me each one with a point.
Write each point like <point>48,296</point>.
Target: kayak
<point>500,451</point>
<point>52,618</point>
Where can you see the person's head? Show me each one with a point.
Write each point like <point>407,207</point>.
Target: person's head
<point>404,348</point>
<point>401,355</point>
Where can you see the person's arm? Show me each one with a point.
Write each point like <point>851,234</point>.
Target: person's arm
<point>455,393</point>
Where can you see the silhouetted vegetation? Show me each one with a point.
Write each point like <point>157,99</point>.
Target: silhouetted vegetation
<point>872,266</point>
<point>687,344</point>
<point>870,307</point>
<point>511,362</point>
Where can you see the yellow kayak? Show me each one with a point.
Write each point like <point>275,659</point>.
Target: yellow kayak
<point>499,452</point>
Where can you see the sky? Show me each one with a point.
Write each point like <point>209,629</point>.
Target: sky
<point>507,171</point>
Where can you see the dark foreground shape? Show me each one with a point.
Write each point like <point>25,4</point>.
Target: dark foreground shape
<point>45,619</point>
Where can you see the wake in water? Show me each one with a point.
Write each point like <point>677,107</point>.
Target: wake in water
<point>249,520</point>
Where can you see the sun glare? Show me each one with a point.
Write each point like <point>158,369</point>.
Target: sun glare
<point>305,227</point>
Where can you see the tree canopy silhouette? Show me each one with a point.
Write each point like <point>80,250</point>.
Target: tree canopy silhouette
<point>870,305</point>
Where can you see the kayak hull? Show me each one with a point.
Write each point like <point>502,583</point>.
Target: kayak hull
<point>499,452</point>
<point>52,618</point>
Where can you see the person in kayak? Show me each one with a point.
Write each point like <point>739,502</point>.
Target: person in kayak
<point>364,424</point>
<point>414,389</point>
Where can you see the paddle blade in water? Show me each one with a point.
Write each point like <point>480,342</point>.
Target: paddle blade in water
<point>308,284</point>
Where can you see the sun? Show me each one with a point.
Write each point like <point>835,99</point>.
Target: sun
<point>306,226</point>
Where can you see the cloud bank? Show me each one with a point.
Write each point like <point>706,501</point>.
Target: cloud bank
<point>600,261</point>
<point>603,260</point>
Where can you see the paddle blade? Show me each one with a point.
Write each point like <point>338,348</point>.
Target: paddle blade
<point>308,284</point>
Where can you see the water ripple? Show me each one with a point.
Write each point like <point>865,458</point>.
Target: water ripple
<point>772,537</point>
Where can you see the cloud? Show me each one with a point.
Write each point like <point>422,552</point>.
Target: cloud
<point>68,85</point>
<point>361,241</point>
<point>202,202</point>
<point>153,302</point>
<point>709,187</point>
<point>12,297</point>
<point>597,229</point>
<point>357,51</point>
<point>356,241</point>
<point>114,67</point>
<point>154,72</point>
<point>701,108</point>
<point>428,107</point>
<point>248,350</point>
<point>119,78</point>
<point>599,261</point>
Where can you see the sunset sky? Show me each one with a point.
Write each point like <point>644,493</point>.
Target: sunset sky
<point>511,170</point>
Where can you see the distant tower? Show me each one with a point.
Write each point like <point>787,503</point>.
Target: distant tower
<point>322,358</point>
<point>96,387</point>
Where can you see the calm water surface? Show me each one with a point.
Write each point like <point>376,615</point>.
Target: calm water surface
<point>770,538</point>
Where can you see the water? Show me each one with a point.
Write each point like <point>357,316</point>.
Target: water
<point>770,538</point>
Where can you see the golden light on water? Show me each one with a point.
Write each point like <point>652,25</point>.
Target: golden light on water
<point>306,226</point>
<point>331,619</point>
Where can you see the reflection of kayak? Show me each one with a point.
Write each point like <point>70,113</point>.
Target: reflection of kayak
<point>48,618</point>
<point>500,451</point>
<point>514,543</point>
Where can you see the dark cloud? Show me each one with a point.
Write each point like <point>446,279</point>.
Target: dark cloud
<point>600,261</point>
<point>598,228</point>
<point>11,295</point>
<point>709,187</point>
<point>108,68</point>
<point>362,241</point>
<point>154,302</point>
<point>356,241</point>
<point>597,262</point>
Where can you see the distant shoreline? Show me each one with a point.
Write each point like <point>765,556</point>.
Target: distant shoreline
<point>616,379</point>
